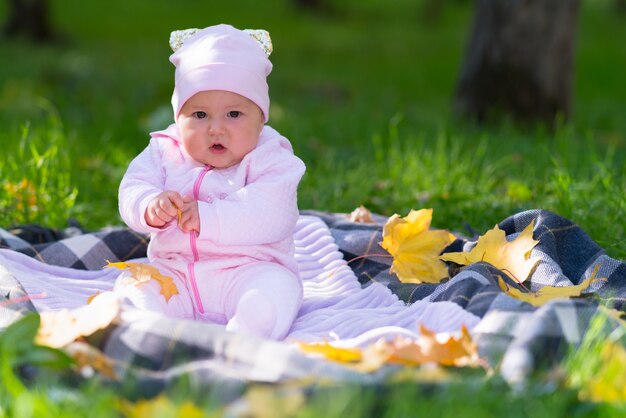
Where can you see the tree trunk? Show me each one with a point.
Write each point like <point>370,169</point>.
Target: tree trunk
<point>519,61</point>
<point>29,18</point>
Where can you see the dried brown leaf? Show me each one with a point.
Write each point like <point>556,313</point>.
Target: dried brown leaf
<point>59,328</point>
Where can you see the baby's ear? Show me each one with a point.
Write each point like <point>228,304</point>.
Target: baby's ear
<point>263,38</point>
<point>178,37</point>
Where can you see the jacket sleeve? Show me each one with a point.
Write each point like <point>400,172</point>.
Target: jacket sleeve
<point>143,180</point>
<point>262,212</point>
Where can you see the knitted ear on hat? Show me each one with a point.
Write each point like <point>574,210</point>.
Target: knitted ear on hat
<point>178,38</point>
<point>221,57</point>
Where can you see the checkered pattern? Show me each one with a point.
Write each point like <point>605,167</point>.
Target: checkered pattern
<point>12,241</point>
<point>86,251</point>
<point>513,334</point>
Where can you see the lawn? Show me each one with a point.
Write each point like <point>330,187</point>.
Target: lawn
<point>363,90</point>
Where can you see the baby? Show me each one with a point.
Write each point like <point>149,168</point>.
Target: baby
<point>217,191</point>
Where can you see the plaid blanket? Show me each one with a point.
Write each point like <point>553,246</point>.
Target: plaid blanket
<point>512,335</point>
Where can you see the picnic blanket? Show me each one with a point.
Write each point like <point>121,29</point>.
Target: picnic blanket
<point>353,303</point>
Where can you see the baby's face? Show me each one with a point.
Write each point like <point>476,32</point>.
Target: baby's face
<point>219,128</point>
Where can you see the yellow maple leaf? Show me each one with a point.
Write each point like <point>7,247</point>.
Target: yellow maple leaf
<point>447,349</point>
<point>416,248</point>
<point>179,214</point>
<point>548,293</point>
<point>161,406</point>
<point>61,327</point>
<point>609,382</point>
<point>92,297</point>
<point>443,349</point>
<point>327,350</point>
<point>140,273</point>
<point>88,356</point>
<point>512,257</point>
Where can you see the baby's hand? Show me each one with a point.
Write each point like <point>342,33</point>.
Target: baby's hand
<point>163,208</point>
<point>189,219</point>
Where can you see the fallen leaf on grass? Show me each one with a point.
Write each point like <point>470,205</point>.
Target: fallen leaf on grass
<point>59,328</point>
<point>342,355</point>
<point>361,215</point>
<point>609,382</point>
<point>88,357</point>
<point>512,257</point>
<point>22,195</point>
<point>140,273</point>
<point>416,248</point>
<point>430,347</point>
<point>447,350</point>
<point>548,293</point>
<point>161,406</point>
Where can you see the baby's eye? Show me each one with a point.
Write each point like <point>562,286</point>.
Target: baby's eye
<point>199,115</point>
<point>234,114</point>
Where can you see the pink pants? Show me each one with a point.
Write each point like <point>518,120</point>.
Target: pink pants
<point>260,298</point>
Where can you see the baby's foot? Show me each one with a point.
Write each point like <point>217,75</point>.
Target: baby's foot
<point>255,314</point>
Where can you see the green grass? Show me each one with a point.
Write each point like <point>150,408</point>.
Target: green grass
<point>364,92</point>
<point>35,176</point>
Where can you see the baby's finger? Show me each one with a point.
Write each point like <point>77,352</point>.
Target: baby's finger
<point>163,214</point>
<point>166,205</point>
<point>186,224</point>
<point>182,221</point>
<point>153,220</point>
<point>176,199</point>
<point>166,210</point>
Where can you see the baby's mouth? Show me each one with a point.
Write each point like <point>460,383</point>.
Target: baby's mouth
<point>218,147</point>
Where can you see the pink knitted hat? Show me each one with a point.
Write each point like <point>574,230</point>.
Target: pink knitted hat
<point>221,58</point>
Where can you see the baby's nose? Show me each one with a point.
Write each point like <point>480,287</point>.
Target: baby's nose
<point>216,128</point>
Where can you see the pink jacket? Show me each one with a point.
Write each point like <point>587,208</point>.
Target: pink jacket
<point>247,212</point>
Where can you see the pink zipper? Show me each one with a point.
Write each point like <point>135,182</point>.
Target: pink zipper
<point>194,248</point>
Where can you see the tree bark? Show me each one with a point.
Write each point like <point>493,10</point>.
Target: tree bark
<point>29,18</point>
<point>519,61</point>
